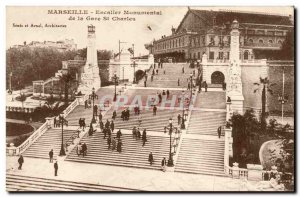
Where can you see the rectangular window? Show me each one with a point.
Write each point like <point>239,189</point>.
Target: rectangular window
<point>279,33</point>
<point>260,32</point>
<point>270,33</point>
<point>221,55</point>
<point>250,32</point>
<point>211,55</point>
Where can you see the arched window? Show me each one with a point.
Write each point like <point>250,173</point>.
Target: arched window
<point>261,41</point>
<point>246,55</point>
<point>250,41</point>
<point>279,42</point>
<point>271,41</point>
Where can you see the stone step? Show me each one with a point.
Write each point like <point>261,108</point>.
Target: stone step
<point>26,183</point>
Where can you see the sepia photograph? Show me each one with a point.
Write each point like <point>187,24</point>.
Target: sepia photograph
<point>150,99</point>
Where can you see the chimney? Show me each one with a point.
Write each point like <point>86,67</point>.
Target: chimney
<point>173,30</point>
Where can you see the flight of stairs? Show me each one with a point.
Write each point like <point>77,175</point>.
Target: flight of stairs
<point>169,80</point>
<point>21,183</point>
<point>211,100</point>
<point>133,153</point>
<point>51,139</point>
<point>201,157</point>
<point>80,112</point>
<point>149,121</point>
<point>206,122</point>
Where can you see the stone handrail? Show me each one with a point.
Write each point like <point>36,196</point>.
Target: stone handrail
<point>18,150</point>
<point>40,131</point>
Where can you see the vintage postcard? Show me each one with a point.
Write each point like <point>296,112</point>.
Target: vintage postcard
<point>150,99</point>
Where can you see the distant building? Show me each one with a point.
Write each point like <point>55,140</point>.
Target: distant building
<point>202,31</point>
<point>61,45</point>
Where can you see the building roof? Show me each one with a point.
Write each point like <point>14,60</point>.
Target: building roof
<point>223,17</point>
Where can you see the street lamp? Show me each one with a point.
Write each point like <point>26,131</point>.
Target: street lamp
<point>93,96</point>
<point>134,65</point>
<point>115,81</point>
<point>182,118</point>
<point>170,160</point>
<point>62,120</point>
<point>282,99</point>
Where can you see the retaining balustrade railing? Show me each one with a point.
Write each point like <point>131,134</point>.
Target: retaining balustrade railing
<point>12,150</point>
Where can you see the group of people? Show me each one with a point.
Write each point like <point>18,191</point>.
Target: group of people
<point>136,134</point>
<point>58,120</point>
<point>81,123</point>
<point>87,103</point>
<point>81,149</point>
<point>163,162</point>
<point>125,114</point>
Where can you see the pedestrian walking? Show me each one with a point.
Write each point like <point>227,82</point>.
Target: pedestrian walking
<point>85,104</point>
<point>134,132</point>
<point>84,149</point>
<point>119,146</point>
<point>113,144</point>
<point>105,132</point>
<point>205,86</point>
<point>119,134</point>
<point>108,142</point>
<point>95,110</point>
<point>154,110</point>
<point>156,71</point>
<point>55,168</point>
<point>219,131</point>
<point>163,164</point>
<point>144,137</point>
<point>101,125</point>
<point>20,161</point>
<point>51,156</point>
<point>182,69</point>
<point>114,115</point>
<point>109,132</point>
<point>178,82</point>
<point>151,78</point>
<point>100,116</point>
<point>145,83</point>
<point>189,86</point>
<point>164,72</point>
<point>168,94</point>
<point>179,119</point>
<point>112,126</point>
<point>163,93</point>
<point>107,124</point>
<point>79,149</point>
<point>159,98</point>
<point>150,158</point>
<point>138,134</point>
<point>54,122</point>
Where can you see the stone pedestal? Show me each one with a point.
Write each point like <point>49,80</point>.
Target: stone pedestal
<point>237,102</point>
<point>50,122</point>
<point>254,172</point>
<point>235,171</point>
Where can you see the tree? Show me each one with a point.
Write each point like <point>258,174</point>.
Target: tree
<point>22,99</point>
<point>66,80</point>
<point>263,86</point>
<point>287,49</point>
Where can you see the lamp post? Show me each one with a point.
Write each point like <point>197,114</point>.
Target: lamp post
<point>93,96</point>
<point>282,99</point>
<point>62,121</point>
<point>182,118</point>
<point>170,160</point>
<point>134,65</point>
<point>115,81</point>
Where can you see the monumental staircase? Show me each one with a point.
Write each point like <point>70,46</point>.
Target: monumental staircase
<point>51,139</point>
<point>21,183</point>
<point>201,156</point>
<point>133,153</point>
<point>169,80</point>
<point>148,120</point>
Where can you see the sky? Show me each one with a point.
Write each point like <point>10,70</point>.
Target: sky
<point>108,33</point>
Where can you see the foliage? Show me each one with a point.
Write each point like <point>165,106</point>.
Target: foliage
<point>67,80</point>
<point>287,50</point>
<point>101,54</point>
<point>29,64</point>
<point>263,86</point>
